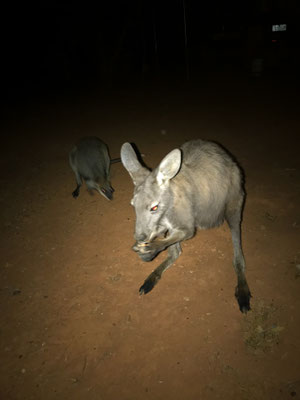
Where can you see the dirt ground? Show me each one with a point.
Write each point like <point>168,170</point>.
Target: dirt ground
<point>73,325</point>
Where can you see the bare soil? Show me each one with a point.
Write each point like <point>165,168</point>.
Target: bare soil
<point>73,325</point>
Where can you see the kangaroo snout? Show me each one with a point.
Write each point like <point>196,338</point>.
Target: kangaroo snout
<point>108,193</point>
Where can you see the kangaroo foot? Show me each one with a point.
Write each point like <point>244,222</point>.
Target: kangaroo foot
<point>243,295</point>
<point>149,283</point>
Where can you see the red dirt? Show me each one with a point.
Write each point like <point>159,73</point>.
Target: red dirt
<point>73,324</point>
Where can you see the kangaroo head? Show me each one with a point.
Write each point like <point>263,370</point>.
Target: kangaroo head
<point>153,195</point>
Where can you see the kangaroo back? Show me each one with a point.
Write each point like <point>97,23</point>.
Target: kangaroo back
<point>93,159</point>
<point>210,178</point>
<point>90,161</point>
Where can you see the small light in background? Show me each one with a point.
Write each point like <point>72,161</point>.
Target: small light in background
<point>279,28</point>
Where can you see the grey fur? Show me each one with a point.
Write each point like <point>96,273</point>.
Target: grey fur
<point>90,161</point>
<point>197,186</point>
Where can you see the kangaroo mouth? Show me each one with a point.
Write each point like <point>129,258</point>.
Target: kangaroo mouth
<point>142,247</point>
<point>154,237</point>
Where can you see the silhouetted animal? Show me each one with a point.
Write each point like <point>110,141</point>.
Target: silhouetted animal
<point>90,161</point>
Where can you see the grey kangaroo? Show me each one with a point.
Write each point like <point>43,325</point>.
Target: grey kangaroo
<point>197,186</point>
<point>90,161</point>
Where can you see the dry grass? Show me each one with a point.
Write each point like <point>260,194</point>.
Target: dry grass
<point>261,328</point>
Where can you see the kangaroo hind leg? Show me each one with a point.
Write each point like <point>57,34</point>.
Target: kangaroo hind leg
<point>75,193</point>
<point>242,292</point>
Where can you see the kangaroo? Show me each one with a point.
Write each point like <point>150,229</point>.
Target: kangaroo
<point>90,161</point>
<point>197,186</point>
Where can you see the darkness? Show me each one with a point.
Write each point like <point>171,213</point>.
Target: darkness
<point>56,47</point>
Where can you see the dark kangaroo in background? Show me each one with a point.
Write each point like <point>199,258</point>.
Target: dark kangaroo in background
<point>90,161</point>
<point>197,186</point>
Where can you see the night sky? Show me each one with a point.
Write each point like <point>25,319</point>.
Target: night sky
<point>58,44</point>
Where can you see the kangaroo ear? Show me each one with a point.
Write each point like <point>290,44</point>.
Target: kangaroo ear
<point>169,167</point>
<point>129,160</point>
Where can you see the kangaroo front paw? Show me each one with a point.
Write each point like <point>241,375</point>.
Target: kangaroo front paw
<point>149,283</point>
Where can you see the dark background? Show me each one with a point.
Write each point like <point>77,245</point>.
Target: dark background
<point>58,46</point>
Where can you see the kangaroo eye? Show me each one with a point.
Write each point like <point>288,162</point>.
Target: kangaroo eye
<point>154,208</point>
